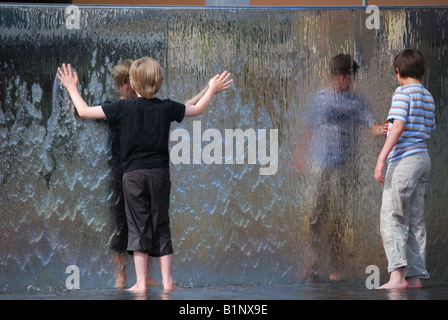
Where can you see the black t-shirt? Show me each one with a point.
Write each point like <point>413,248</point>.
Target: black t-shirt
<point>145,128</point>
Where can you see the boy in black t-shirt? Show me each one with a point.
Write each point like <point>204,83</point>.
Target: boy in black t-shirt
<point>145,124</point>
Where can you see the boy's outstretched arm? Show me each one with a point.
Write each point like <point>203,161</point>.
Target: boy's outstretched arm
<point>197,97</point>
<point>69,80</point>
<point>391,141</point>
<point>200,102</point>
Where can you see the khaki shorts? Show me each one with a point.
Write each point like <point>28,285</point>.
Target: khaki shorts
<point>401,222</point>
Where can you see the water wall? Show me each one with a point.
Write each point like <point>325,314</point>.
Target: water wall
<point>230,223</point>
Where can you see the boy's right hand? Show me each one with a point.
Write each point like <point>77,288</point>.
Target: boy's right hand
<point>220,82</point>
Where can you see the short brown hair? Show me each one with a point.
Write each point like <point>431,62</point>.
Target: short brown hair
<point>146,77</point>
<point>342,64</point>
<point>410,64</point>
<point>120,72</point>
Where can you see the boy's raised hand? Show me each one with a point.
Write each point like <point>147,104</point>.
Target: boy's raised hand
<point>220,82</point>
<point>68,78</point>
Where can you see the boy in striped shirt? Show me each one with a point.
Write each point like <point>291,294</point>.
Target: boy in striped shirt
<point>411,121</point>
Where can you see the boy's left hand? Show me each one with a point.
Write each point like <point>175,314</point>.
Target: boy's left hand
<point>220,82</point>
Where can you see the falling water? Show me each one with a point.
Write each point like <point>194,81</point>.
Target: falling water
<point>229,223</point>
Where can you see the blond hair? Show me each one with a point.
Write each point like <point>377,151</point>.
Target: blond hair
<point>146,77</point>
<point>120,72</point>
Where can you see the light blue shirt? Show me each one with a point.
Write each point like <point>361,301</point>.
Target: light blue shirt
<point>335,119</point>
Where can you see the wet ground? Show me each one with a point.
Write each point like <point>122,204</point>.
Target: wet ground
<point>233,302</point>
<point>300,291</point>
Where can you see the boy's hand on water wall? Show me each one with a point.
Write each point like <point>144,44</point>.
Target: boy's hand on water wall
<point>68,78</point>
<point>385,127</point>
<point>220,82</point>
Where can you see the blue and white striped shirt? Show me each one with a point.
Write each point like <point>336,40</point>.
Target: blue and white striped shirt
<point>414,105</point>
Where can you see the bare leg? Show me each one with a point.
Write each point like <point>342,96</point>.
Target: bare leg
<point>165,269</point>
<point>141,269</point>
<point>396,280</point>
<point>120,262</point>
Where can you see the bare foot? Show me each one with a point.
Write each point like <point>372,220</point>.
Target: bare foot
<point>394,285</point>
<point>334,276</point>
<point>396,280</point>
<point>169,286</point>
<point>414,283</point>
<point>136,288</point>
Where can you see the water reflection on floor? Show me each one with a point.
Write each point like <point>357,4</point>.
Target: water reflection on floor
<point>302,291</point>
